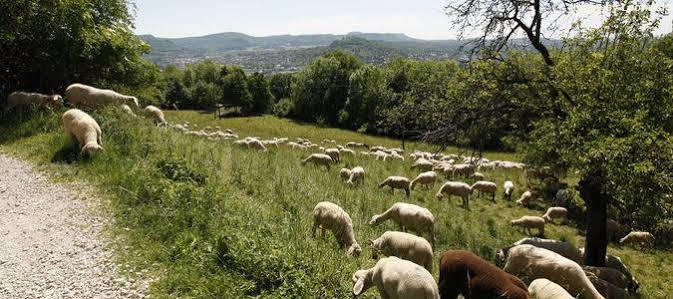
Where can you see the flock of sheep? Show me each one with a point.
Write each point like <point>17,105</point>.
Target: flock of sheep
<point>555,266</point>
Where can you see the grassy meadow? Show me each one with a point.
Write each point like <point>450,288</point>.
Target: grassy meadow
<point>214,221</point>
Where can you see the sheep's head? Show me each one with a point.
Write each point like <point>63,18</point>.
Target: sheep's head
<point>546,218</point>
<point>92,148</point>
<point>57,100</point>
<point>362,280</point>
<point>439,195</point>
<point>354,250</point>
<point>375,220</point>
<point>134,100</point>
<point>375,250</point>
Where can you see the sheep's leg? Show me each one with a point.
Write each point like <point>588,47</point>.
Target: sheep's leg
<point>313,229</point>
<point>406,190</point>
<point>493,198</point>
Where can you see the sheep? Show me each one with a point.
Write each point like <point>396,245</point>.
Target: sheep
<point>357,145</point>
<point>80,94</point>
<point>156,114</point>
<point>615,229</point>
<point>638,237</point>
<point>345,173</point>
<point>456,188</point>
<point>396,279</point>
<point>565,249</point>
<point>485,187</point>
<point>422,164</point>
<point>253,143</point>
<point>556,212</point>
<point>542,288</point>
<point>20,98</point>
<point>327,215</point>
<point>534,262</point>
<point>478,176</point>
<point>612,276</point>
<point>508,186</point>
<point>379,155</point>
<point>405,246</point>
<point>409,216</point>
<point>129,111</point>
<point>525,198</point>
<point>426,178</point>
<point>347,151</point>
<point>394,155</point>
<point>528,222</point>
<point>357,175</point>
<point>396,182</point>
<point>83,130</point>
<point>333,153</point>
<point>605,288</point>
<point>614,262</point>
<point>464,170</point>
<point>463,272</point>
<point>318,159</point>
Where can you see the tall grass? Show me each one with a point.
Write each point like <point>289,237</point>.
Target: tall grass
<point>223,221</point>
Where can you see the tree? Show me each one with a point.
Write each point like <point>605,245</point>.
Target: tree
<point>280,85</point>
<point>234,86</point>
<point>368,89</point>
<point>260,94</point>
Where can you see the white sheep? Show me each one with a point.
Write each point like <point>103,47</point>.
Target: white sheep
<point>529,222</point>
<point>534,262</point>
<point>83,130</point>
<point>347,151</point>
<point>396,182</point>
<point>409,216</point>
<point>405,246</point>
<point>614,262</point>
<point>565,249</point>
<point>456,188</point>
<point>422,164</point>
<point>556,213</point>
<point>638,237</point>
<point>478,176</point>
<point>357,175</point>
<point>80,94</point>
<point>327,215</point>
<point>485,187</point>
<point>542,288</point>
<point>128,110</point>
<point>508,186</point>
<point>464,170</point>
<point>396,279</point>
<point>20,98</point>
<point>344,173</point>
<point>426,178</point>
<point>605,288</point>
<point>525,198</point>
<point>318,159</point>
<point>253,143</point>
<point>156,114</point>
<point>333,153</point>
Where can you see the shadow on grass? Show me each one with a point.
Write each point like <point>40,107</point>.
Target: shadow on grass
<point>68,154</point>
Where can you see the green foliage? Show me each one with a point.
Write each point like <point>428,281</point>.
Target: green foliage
<point>260,94</point>
<point>280,85</point>
<point>178,171</point>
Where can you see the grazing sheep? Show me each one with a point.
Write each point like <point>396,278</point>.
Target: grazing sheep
<point>542,288</point>
<point>334,154</point>
<point>528,222</point>
<point>394,155</point>
<point>456,188</point>
<point>555,213</point>
<point>478,176</point>
<point>379,155</point>
<point>128,110</point>
<point>396,279</point>
<point>422,164</point>
<point>565,249</point>
<point>254,143</point>
<point>463,272</point>
<point>525,198</point>
<point>396,182</point>
<point>615,229</point>
<point>464,170</point>
<point>357,145</point>
<point>318,159</point>
<point>327,215</point>
<point>409,216</point>
<point>347,151</point>
<point>20,98</point>
<point>156,113</point>
<point>426,178</point>
<point>345,173</point>
<point>612,276</point>
<point>80,94</point>
<point>638,237</point>
<point>508,186</point>
<point>83,130</point>
<point>485,187</point>
<point>357,175</point>
<point>534,262</point>
<point>605,288</point>
<point>405,246</point>
<point>614,262</point>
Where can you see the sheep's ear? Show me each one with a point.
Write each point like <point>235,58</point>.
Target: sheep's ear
<point>359,285</point>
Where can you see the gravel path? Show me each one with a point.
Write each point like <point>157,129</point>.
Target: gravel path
<point>50,241</point>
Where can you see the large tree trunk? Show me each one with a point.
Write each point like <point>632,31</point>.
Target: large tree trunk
<point>597,208</point>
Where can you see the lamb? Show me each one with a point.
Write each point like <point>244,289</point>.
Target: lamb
<point>156,114</point>
<point>327,215</point>
<point>405,246</point>
<point>333,153</point>
<point>129,111</point>
<point>534,262</point>
<point>409,216</point>
<point>612,276</point>
<point>554,213</point>
<point>508,186</point>
<point>422,164</point>
<point>83,130</point>
<point>456,188</point>
<point>525,198</point>
<point>565,249</point>
<point>605,288</point>
<point>345,173</point>
<point>528,222</point>
<point>318,159</point>
<point>20,98</point>
<point>396,279</point>
<point>80,94</point>
<point>485,187</point>
<point>638,237</point>
<point>357,175</point>
<point>426,178</point>
<point>463,272</point>
<point>542,288</point>
<point>396,182</point>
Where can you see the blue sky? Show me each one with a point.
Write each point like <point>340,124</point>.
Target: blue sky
<point>180,18</point>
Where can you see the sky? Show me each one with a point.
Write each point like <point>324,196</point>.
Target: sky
<point>422,19</point>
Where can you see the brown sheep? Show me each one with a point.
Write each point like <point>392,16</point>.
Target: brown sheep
<point>463,272</point>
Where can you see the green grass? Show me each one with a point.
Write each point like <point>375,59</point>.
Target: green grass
<point>222,221</point>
